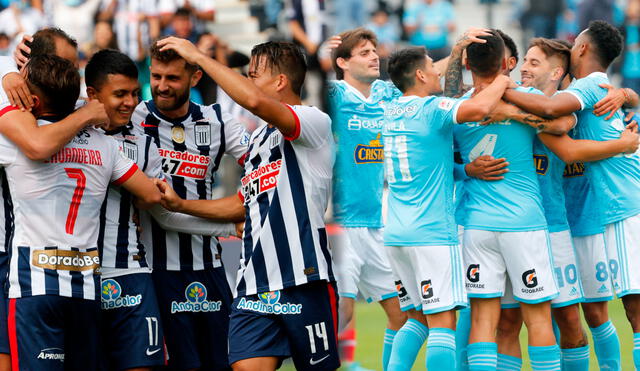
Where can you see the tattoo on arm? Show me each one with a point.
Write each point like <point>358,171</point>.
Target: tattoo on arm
<point>453,76</point>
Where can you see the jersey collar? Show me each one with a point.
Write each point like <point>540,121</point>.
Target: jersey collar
<point>152,107</point>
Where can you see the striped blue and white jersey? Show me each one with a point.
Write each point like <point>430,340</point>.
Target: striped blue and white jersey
<point>121,251</point>
<point>56,205</point>
<point>286,187</point>
<point>190,150</point>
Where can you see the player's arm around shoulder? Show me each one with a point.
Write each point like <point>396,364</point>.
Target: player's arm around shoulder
<point>480,105</point>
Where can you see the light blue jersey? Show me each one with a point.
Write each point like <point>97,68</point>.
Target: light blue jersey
<point>432,22</point>
<point>358,177</point>
<point>616,180</point>
<point>418,149</point>
<point>512,204</point>
<point>550,169</point>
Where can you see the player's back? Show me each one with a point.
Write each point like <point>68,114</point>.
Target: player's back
<point>418,143</point>
<point>56,206</point>
<point>510,204</point>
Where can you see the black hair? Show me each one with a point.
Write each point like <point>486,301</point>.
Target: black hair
<point>485,60</point>
<point>607,41</point>
<point>403,65</point>
<point>183,12</point>
<point>55,81</point>
<point>108,62</point>
<point>282,57</point>
<point>509,44</point>
<point>44,41</point>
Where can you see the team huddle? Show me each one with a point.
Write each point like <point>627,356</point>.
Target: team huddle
<point>508,204</point>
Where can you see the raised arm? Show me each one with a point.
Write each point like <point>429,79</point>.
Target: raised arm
<point>541,105</point>
<point>506,111</point>
<point>480,105</point>
<point>40,142</point>
<point>453,86</point>
<point>238,87</point>
<point>579,150</point>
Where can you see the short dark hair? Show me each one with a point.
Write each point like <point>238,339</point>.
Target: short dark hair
<point>485,60</point>
<point>168,56</point>
<point>553,48</point>
<point>509,44</point>
<point>403,65</point>
<point>607,41</point>
<point>44,41</point>
<point>108,62</point>
<point>350,39</point>
<point>55,81</point>
<point>283,57</point>
<point>183,12</point>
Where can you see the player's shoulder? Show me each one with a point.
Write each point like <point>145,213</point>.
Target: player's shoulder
<point>529,89</point>
<point>336,88</point>
<point>310,114</point>
<point>592,80</point>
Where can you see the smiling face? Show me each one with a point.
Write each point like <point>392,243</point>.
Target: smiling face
<point>170,84</point>
<point>119,94</point>
<point>364,63</point>
<point>536,69</point>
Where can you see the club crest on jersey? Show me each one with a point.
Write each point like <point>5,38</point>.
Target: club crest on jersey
<point>130,150</point>
<point>66,260</point>
<point>372,153</point>
<point>269,303</point>
<point>573,170</point>
<point>202,132</point>
<point>177,134</point>
<point>542,164</point>
<point>111,296</point>
<point>196,300</point>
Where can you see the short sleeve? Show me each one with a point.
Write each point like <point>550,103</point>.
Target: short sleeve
<point>444,110</point>
<point>7,65</point>
<point>235,136</point>
<point>8,150</point>
<point>585,90</point>
<point>313,127</point>
<point>122,167</point>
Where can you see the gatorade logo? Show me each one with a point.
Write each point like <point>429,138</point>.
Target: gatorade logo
<point>473,273</point>
<point>529,278</point>
<point>427,289</point>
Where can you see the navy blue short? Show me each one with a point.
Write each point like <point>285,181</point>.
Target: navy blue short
<point>299,322</point>
<point>4,303</point>
<point>48,332</point>
<point>194,308</point>
<point>131,330</point>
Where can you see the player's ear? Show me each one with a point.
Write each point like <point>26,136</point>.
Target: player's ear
<point>557,74</point>
<point>420,76</point>
<point>91,92</point>
<point>37,103</point>
<point>342,63</point>
<point>195,78</point>
<point>282,81</point>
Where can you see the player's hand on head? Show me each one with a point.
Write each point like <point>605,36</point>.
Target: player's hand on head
<point>17,91</point>
<point>614,100</point>
<point>472,35</point>
<point>184,47</point>
<point>487,168</point>
<point>327,47</point>
<point>18,55</point>
<point>95,113</point>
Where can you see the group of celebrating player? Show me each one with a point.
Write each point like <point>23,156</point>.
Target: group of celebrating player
<point>110,258</point>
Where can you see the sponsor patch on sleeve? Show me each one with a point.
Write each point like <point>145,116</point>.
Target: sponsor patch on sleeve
<point>446,104</point>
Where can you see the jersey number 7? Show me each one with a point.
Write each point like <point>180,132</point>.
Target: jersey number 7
<point>81,182</point>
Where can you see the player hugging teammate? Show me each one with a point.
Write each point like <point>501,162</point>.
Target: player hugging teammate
<point>506,229</point>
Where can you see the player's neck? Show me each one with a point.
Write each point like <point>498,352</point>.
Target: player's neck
<point>419,90</point>
<point>363,87</point>
<point>176,113</point>
<point>479,82</point>
<point>587,67</point>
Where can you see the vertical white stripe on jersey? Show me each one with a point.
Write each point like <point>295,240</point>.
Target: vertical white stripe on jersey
<point>89,288</point>
<point>173,251</point>
<point>14,287</point>
<point>37,280</point>
<point>291,218</point>
<point>271,256</point>
<point>64,280</point>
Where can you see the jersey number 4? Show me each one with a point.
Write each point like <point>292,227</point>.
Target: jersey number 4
<point>81,183</point>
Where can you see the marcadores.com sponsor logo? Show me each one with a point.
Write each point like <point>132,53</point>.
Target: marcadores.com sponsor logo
<point>111,296</point>
<point>269,303</point>
<point>261,179</point>
<point>184,164</point>
<point>196,300</point>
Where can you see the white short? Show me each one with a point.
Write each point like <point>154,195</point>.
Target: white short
<point>594,267</point>
<point>529,265</point>
<point>623,249</point>
<point>362,266</point>
<point>432,277</point>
